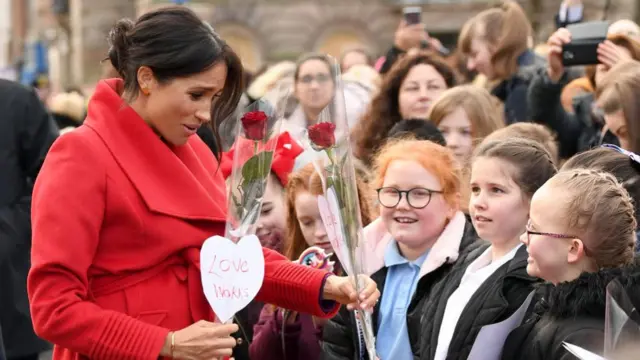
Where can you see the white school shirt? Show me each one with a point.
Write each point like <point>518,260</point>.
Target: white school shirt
<point>475,275</point>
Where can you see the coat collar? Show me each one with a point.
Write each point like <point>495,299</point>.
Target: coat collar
<point>445,250</point>
<point>586,295</point>
<point>172,180</point>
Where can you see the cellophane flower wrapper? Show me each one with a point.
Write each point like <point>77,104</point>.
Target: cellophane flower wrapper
<point>253,155</point>
<point>329,137</point>
<point>622,320</point>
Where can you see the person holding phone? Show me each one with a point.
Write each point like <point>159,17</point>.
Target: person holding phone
<point>411,34</point>
<point>582,128</point>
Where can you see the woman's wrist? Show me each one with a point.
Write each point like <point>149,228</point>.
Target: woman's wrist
<point>169,345</point>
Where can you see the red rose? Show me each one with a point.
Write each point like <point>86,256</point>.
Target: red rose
<point>254,124</point>
<point>322,135</point>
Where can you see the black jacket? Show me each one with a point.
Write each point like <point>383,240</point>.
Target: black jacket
<point>494,301</point>
<point>341,340</point>
<point>572,312</point>
<point>513,91</point>
<point>26,133</point>
<point>578,131</point>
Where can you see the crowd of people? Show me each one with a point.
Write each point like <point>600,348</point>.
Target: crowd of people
<point>491,180</point>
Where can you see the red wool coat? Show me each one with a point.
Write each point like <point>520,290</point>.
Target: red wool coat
<point>119,218</point>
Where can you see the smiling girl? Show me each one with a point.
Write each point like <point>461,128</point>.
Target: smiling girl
<point>281,334</point>
<point>420,233</point>
<point>580,237</point>
<point>491,283</point>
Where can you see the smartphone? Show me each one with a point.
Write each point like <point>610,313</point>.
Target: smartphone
<point>412,15</point>
<point>585,38</point>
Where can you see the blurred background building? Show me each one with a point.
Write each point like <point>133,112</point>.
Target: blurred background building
<point>65,39</point>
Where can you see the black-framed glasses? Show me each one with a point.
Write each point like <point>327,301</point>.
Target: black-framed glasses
<point>417,198</point>
<point>319,78</point>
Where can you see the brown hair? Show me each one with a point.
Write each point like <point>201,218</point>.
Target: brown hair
<point>175,43</point>
<point>531,131</point>
<point>482,109</point>
<point>532,161</point>
<point>314,56</point>
<point>621,40</point>
<point>384,111</point>
<point>620,90</point>
<point>506,28</point>
<point>607,230</point>
<point>617,164</point>
<point>307,179</point>
<point>436,159</point>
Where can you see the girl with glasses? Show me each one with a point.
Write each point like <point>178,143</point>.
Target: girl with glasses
<point>580,237</point>
<point>491,283</point>
<point>421,233</point>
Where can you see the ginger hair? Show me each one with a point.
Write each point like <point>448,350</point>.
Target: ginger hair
<point>599,211</point>
<point>436,159</point>
<point>307,179</point>
<point>531,131</point>
<point>506,29</point>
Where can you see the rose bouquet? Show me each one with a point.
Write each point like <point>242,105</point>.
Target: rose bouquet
<point>252,159</point>
<point>339,206</point>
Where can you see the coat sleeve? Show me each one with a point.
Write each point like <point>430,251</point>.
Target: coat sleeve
<point>337,338</point>
<point>295,287</point>
<point>67,215</point>
<point>544,98</point>
<point>37,132</point>
<point>268,338</point>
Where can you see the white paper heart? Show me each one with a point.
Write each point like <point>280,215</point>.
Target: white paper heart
<point>231,273</point>
<point>330,213</point>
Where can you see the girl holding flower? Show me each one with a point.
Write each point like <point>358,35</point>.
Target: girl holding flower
<point>420,234</point>
<point>282,334</point>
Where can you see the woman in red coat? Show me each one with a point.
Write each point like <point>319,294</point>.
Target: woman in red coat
<point>124,203</point>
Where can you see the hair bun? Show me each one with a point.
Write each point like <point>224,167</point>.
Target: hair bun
<point>119,44</point>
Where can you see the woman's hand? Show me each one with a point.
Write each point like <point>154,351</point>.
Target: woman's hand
<point>202,340</point>
<point>409,36</point>
<point>610,54</point>
<point>342,290</point>
<point>555,68</point>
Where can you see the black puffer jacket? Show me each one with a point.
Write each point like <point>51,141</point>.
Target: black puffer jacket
<point>578,131</point>
<point>572,312</point>
<point>494,301</point>
<point>341,340</point>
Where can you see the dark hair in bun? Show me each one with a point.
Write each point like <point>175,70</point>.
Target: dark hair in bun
<point>119,44</point>
<point>173,42</point>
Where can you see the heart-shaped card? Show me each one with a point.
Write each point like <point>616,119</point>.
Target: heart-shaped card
<point>232,273</point>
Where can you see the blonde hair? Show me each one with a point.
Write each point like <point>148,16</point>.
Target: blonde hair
<point>531,131</point>
<point>600,212</point>
<point>482,109</point>
<point>436,159</point>
<point>506,28</point>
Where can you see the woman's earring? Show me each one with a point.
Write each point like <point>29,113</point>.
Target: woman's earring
<point>145,90</point>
